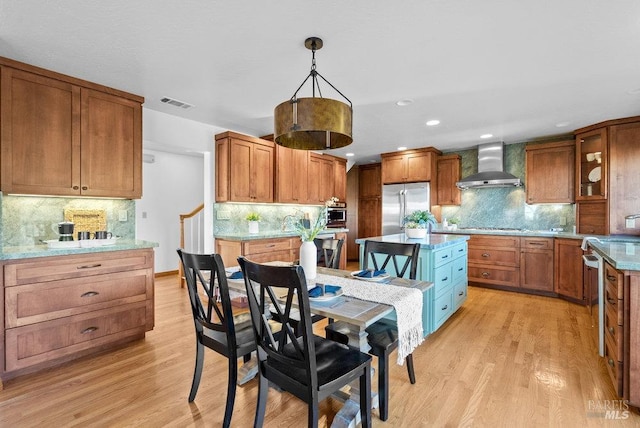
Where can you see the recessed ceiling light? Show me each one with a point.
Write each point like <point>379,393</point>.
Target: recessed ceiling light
<point>562,124</point>
<point>485,136</point>
<point>433,122</point>
<point>402,148</point>
<point>349,155</point>
<point>403,103</point>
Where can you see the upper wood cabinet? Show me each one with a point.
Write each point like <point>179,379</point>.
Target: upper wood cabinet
<point>550,172</point>
<point>624,183</point>
<point>409,166</point>
<point>591,164</point>
<point>321,179</point>
<point>67,137</point>
<point>448,175</point>
<point>244,168</point>
<point>291,175</point>
<point>369,183</point>
<point>340,179</point>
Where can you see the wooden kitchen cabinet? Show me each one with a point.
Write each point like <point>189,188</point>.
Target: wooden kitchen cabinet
<point>624,185</point>
<point>259,250</point>
<point>62,307</point>
<point>550,172</point>
<point>291,174</point>
<point>340,179</point>
<point>410,166</point>
<point>244,168</point>
<point>369,182</point>
<point>592,217</point>
<point>536,264</point>
<point>369,200</point>
<point>448,175</point>
<point>591,164</point>
<point>321,178</point>
<point>569,269</point>
<point>614,326</point>
<point>494,260</point>
<point>67,137</point>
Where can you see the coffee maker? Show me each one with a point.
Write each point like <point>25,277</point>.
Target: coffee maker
<point>65,230</point>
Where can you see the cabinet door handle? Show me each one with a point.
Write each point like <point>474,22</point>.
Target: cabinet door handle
<point>90,294</point>
<point>611,301</point>
<point>445,307</point>
<point>461,293</point>
<point>460,269</point>
<point>460,250</point>
<point>445,256</point>
<point>536,243</point>
<point>611,278</point>
<point>89,266</point>
<point>446,278</point>
<point>611,330</point>
<point>271,245</point>
<point>486,255</point>
<point>89,330</point>
<point>611,362</point>
<point>485,274</point>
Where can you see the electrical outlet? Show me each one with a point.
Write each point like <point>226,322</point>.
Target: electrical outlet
<point>563,221</point>
<point>630,223</point>
<point>122,215</point>
<point>223,215</point>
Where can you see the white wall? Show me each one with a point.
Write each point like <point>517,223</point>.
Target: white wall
<point>175,183</point>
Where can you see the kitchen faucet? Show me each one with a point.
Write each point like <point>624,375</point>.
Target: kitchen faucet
<point>284,221</point>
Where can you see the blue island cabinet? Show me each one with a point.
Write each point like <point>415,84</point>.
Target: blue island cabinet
<point>443,261</point>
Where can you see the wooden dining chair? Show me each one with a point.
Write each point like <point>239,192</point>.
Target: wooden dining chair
<point>215,327</point>
<point>382,335</point>
<point>308,366</point>
<point>329,251</point>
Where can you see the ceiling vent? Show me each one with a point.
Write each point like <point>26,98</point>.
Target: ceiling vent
<point>176,103</point>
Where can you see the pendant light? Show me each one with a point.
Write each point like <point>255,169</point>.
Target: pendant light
<point>314,123</point>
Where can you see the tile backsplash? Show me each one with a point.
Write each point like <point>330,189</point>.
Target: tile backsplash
<point>229,218</point>
<point>506,206</point>
<point>27,220</point>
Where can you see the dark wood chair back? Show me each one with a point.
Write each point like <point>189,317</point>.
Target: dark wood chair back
<point>329,251</point>
<point>403,255</point>
<point>308,366</point>
<point>215,325</point>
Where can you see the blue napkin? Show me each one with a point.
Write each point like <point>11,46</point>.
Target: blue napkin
<point>236,275</point>
<point>370,273</point>
<point>329,289</point>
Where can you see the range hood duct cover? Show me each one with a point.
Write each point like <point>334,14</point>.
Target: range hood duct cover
<point>490,169</point>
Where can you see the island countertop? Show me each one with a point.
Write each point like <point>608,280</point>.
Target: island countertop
<point>32,251</point>
<point>430,242</point>
<point>621,253</point>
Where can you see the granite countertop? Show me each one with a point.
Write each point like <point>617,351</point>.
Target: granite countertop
<point>513,232</point>
<point>622,253</point>
<point>31,251</point>
<point>430,242</point>
<point>271,234</point>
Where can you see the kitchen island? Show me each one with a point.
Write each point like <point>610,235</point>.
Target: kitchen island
<point>620,312</point>
<point>61,304</point>
<point>443,261</point>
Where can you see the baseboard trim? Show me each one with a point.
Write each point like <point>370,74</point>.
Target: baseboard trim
<point>167,273</point>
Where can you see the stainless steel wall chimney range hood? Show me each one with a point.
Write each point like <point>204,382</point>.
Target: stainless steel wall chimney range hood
<point>490,169</point>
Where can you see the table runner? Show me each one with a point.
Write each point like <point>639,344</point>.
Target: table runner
<point>406,301</point>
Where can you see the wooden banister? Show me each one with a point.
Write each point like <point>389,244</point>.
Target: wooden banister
<point>183,217</point>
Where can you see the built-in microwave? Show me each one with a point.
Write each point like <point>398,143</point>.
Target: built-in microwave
<point>337,217</point>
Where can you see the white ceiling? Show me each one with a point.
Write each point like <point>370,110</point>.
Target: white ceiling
<point>514,69</point>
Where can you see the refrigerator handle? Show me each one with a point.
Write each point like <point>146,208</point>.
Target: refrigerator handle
<point>403,207</point>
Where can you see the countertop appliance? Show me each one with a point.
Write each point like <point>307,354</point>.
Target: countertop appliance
<point>594,260</point>
<point>400,200</point>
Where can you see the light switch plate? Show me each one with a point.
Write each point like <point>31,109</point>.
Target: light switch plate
<point>122,215</point>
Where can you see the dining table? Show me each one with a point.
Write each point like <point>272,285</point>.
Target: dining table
<point>356,315</point>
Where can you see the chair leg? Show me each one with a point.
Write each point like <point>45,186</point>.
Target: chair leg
<point>261,405</point>
<point>412,374</point>
<point>383,385</point>
<point>231,391</point>
<point>197,371</point>
<point>365,397</point>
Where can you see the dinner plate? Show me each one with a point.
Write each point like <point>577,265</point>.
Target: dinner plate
<point>595,174</point>
<point>327,297</point>
<point>378,278</point>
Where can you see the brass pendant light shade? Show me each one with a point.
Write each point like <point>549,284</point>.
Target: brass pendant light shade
<point>314,123</point>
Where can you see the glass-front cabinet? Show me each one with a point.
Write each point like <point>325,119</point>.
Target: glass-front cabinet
<point>591,165</point>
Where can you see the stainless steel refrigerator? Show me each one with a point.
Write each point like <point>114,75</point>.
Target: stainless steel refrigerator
<point>399,200</point>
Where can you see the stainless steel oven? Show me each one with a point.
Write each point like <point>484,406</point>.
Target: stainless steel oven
<point>337,216</point>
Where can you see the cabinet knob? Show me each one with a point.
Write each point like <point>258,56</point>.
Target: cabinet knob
<point>75,187</point>
<point>485,274</point>
<point>611,330</point>
<point>611,362</point>
<point>85,188</point>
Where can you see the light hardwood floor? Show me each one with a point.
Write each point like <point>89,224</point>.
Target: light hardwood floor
<point>504,359</point>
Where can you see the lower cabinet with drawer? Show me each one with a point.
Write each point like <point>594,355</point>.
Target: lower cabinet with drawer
<point>62,307</point>
<point>447,269</point>
<point>259,250</point>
